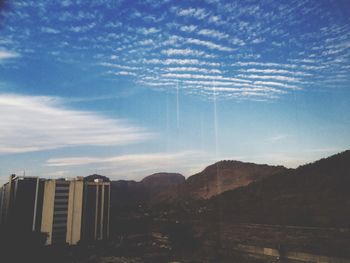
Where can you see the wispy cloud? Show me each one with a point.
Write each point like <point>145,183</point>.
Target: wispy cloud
<point>213,33</point>
<point>186,52</point>
<point>202,76</point>
<point>277,71</point>
<point>147,31</point>
<point>148,159</point>
<point>50,30</point>
<point>189,28</point>
<point>264,64</point>
<point>125,73</point>
<point>278,84</point>
<point>194,69</point>
<point>83,28</point>
<point>275,77</point>
<point>33,123</point>
<point>180,62</point>
<point>112,65</point>
<point>8,54</point>
<point>208,44</point>
<point>199,13</point>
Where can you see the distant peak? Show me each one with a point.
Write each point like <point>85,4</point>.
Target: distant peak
<point>163,175</point>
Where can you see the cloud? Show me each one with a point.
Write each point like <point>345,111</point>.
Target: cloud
<point>258,91</point>
<point>158,83</point>
<point>112,65</point>
<point>188,29</point>
<point>199,13</point>
<point>208,44</point>
<point>278,84</point>
<point>113,24</point>
<point>147,159</point>
<point>265,64</point>
<point>277,71</point>
<point>193,69</point>
<point>213,33</point>
<point>147,42</point>
<point>58,174</point>
<point>82,29</point>
<point>217,34</point>
<point>66,3</point>
<point>125,73</point>
<point>214,19</point>
<point>49,30</point>
<point>258,40</point>
<point>34,123</point>
<point>147,31</point>
<point>274,77</point>
<point>201,76</point>
<point>186,52</point>
<point>8,54</point>
<point>135,166</point>
<point>174,61</point>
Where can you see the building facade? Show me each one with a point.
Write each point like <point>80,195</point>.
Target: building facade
<point>62,211</point>
<point>96,210</point>
<point>21,203</point>
<point>67,210</point>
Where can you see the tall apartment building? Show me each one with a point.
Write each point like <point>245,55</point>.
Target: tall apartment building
<point>62,211</point>
<point>75,210</point>
<point>21,203</point>
<point>68,210</point>
<point>96,209</point>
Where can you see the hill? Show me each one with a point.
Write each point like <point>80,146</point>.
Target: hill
<point>218,178</point>
<point>125,192</point>
<point>315,194</point>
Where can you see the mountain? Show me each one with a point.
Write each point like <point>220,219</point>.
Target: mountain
<point>159,181</point>
<point>124,192</point>
<point>313,194</point>
<point>218,178</point>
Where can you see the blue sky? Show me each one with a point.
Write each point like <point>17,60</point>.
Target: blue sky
<point>128,88</point>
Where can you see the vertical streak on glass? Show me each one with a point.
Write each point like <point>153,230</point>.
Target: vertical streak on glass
<point>177,105</point>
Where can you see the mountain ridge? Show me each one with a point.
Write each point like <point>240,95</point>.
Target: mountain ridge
<point>313,194</point>
<point>130,192</point>
<point>217,178</point>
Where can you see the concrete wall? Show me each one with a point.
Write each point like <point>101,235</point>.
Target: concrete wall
<point>75,208</point>
<point>48,209</point>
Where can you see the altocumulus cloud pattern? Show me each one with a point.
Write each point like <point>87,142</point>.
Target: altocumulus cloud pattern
<point>255,50</point>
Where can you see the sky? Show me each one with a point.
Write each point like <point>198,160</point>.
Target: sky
<point>129,88</point>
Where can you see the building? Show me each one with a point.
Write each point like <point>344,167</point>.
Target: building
<point>21,203</point>
<point>67,210</point>
<point>96,208</point>
<point>62,211</point>
<point>76,209</point>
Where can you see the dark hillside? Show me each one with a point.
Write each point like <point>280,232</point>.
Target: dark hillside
<point>315,194</point>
